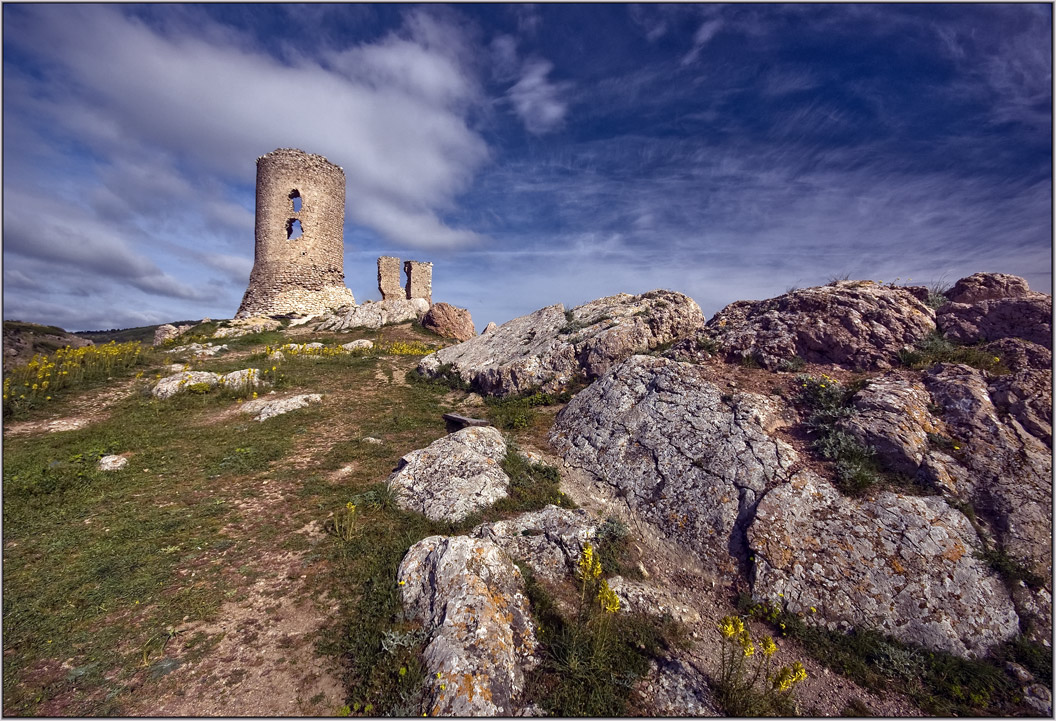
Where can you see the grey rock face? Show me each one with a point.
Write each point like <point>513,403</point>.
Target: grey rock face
<point>1007,470</point>
<point>549,541</point>
<point>688,458</point>
<point>1018,354</point>
<point>901,564</point>
<point>265,408</point>
<point>548,350</point>
<point>987,286</point>
<point>856,324</point>
<point>638,597</point>
<point>449,321</point>
<point>453,476</point>
<point>374,315</point>
<point>470,598</point>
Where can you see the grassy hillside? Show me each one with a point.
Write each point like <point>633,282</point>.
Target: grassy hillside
<point>143,334</point>
<point>24,340</point>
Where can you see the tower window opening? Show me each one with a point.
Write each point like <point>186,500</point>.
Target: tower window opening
<point>293,229</point>
<point>295,198</point>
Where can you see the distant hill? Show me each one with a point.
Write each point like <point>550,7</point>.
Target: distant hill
<point>23,340</point>
<point>144,334</point>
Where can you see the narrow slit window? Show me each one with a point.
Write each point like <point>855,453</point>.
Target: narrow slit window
<point>293,229</point>
<point>295,198</point>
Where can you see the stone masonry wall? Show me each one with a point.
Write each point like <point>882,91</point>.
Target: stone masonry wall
<point>306,274</point>
<point>419,279</point>
<point>389,278</point>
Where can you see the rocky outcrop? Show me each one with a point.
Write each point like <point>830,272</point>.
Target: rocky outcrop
<point>1017,354</point>
<point>1004,470</point>
<point>550,348</point>
<point>855,324</point>
<point>901,564</point>
<point>193,380</point>
<point>199,350</point>
<point>264,408</point>
<point>549,541</point>
<point>454,476</point>
<point>244,326</point>
<point>987,286</point>
<point>374,315</point>
<point>470,599</point>
<point>166,332</point>
<point>449,321</point>
<point>687,457</point>
<point>1028,317</point>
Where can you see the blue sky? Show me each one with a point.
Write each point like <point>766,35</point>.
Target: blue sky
<point>534,154</point>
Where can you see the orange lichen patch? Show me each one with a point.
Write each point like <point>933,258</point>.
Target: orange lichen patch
<point>897,566</point>
<point>954,553</point>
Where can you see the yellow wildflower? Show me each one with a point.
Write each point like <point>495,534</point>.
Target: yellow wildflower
<point>767,646</point>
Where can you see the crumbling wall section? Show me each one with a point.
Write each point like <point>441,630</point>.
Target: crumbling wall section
<point>389,278</point>
<point>297,273</point>
<point>419,279</point>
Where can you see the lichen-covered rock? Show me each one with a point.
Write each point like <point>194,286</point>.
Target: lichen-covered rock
<point>454,476</point>
<point>987,286</point>
<point>991,306</point>
<point>199,350</point>
<point>1027,397</point>
<point>901,564</point>
<point>167,332</point>
<point>856,324</point>
<point>171,385</point>
<point>893,417</point>
<point>374,315</point>
<point>265,408</point>
<point>637,597</point>
<point>469,597</point>
<point>449,321</point>
<point>1007,473</point>
<point>550,348</point>
<point>188,380</point>
<point>112,463</point>
<point>549,541</point>
<point>361,344</point>
<point>1017,354</point>
<point>675,688</point>
<point>687,457</point>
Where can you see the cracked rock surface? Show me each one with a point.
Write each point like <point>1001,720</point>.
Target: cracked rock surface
<point>454,475</point>
<point>901,564</point>
<point>265,408</point>
<point>548,349</point>
<point>469,597</point>
<point>550,541</point>
<point>686,457</point>
<point>855,324</point>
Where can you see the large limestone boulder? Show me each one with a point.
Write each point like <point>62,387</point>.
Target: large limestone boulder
<point>454,476</point>
<point>187,380</point>
<point>987,286</point>
<point>687,457</point>
<point>549,541</point>
<point>449,321</point>
<point>856,324</point>
<point>166,332</point>
<point>469,596</point>
<point>901,564</point>
<point>374,315</point>
<point>550,348</point>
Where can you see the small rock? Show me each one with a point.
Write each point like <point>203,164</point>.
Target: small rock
<point>489,328</point>
<point>112,463</point>
<point>361,344</point>
<point>266,408</point>
<point>1038,698</point>
<point>373,441</point>
<point>1018,672</point>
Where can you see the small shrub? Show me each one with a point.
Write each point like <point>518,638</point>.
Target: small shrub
<point>533,486</point>
<point>935,348</point>
<point>795,363</point>
<point>708,345</point>
<point>343,524</point>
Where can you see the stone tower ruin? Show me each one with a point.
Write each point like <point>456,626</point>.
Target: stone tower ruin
<point>298,264</point>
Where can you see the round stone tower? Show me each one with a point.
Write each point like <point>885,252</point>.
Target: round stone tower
<point>298,264</point>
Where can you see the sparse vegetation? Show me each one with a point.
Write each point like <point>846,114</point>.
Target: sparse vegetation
<point>515,412</point>
<point>935,348</point>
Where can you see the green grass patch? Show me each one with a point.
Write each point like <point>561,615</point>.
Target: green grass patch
<point>516,412</point>
<point>935,348</point>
